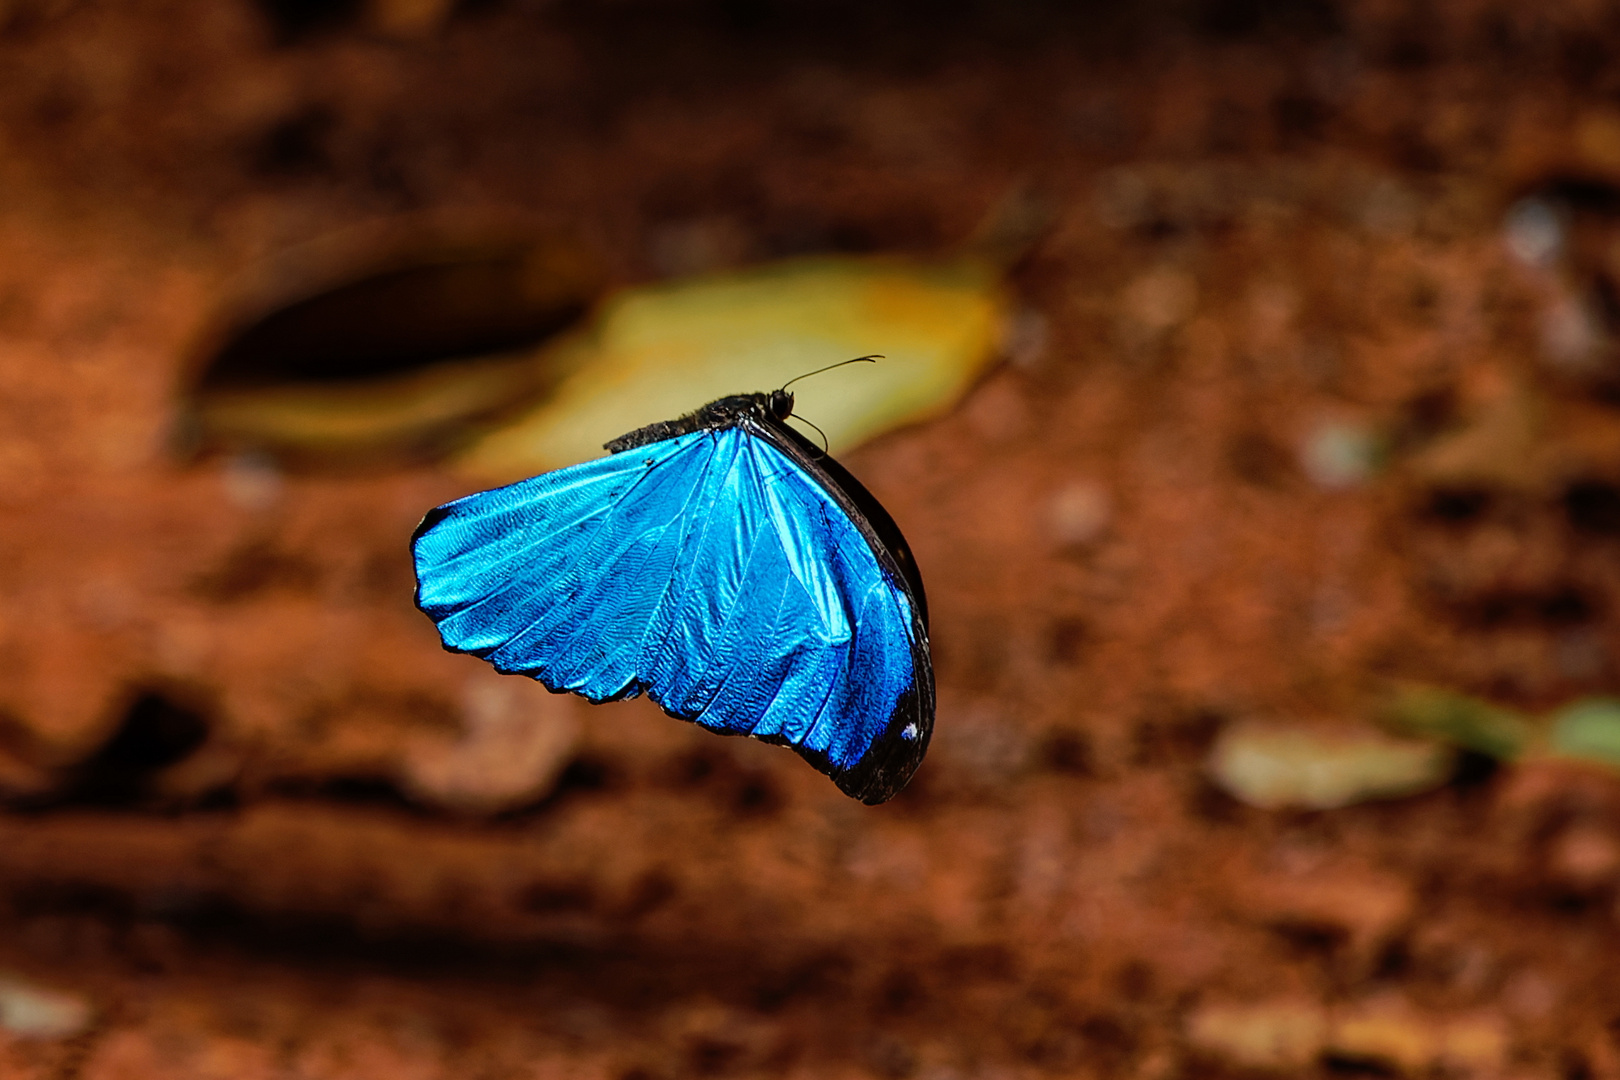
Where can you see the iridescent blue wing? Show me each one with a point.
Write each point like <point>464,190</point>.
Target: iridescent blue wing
<point>713,572</point>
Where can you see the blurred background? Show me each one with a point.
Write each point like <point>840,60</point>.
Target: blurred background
<point>1252,406</point>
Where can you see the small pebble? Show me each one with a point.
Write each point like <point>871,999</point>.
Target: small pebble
<point>1572,334</point>
<point>1534,232</point>
<point>1079,512</point>
<point>1337,456</point>
<point>517,738</point>
<point>1585,856</point>
<point>34,1012</point>
<point>1157,302</point>
<point>252,481</point>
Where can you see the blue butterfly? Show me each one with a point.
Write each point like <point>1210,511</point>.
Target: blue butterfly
<point>719,563</point>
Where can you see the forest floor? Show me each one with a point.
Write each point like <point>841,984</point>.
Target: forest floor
<point>1312,393</point>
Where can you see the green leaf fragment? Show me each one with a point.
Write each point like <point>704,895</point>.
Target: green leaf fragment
<point>1588,729</point>
<point>1467,722</point>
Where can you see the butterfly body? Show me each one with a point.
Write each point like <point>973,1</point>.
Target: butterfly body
<point>718,563</point>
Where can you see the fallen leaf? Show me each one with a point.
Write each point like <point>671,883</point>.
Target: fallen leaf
<point>660,351</point>
<point>372,348</point>
<point>1271,766</point>
<point>1275,1036</point>
<point>1385,1034</point>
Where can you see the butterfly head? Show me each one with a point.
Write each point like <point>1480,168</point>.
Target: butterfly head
<point>780,404</point>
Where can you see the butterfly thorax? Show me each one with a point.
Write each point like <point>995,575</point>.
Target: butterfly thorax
<point>716,415</point>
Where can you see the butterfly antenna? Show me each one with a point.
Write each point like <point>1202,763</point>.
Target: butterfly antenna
<point>824,447</point>
<point>872,359</point>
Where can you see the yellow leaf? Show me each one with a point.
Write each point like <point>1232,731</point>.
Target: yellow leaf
<point>660,351</point>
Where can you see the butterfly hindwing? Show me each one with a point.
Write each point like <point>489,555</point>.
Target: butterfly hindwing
<point>711,571</point>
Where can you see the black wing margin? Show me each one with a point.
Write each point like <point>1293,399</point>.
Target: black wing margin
<point>893,758</point>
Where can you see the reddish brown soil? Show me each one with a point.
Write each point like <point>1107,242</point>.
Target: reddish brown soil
<point>1266,219</point>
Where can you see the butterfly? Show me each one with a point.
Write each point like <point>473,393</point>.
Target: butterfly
<point>722,565</point>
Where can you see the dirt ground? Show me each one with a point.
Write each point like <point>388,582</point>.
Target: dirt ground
<point>1313,389</point>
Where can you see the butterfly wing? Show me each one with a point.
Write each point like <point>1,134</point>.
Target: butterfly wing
<point>709,571</point>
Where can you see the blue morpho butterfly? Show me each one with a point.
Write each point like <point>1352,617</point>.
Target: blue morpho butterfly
<point>721,564</point>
